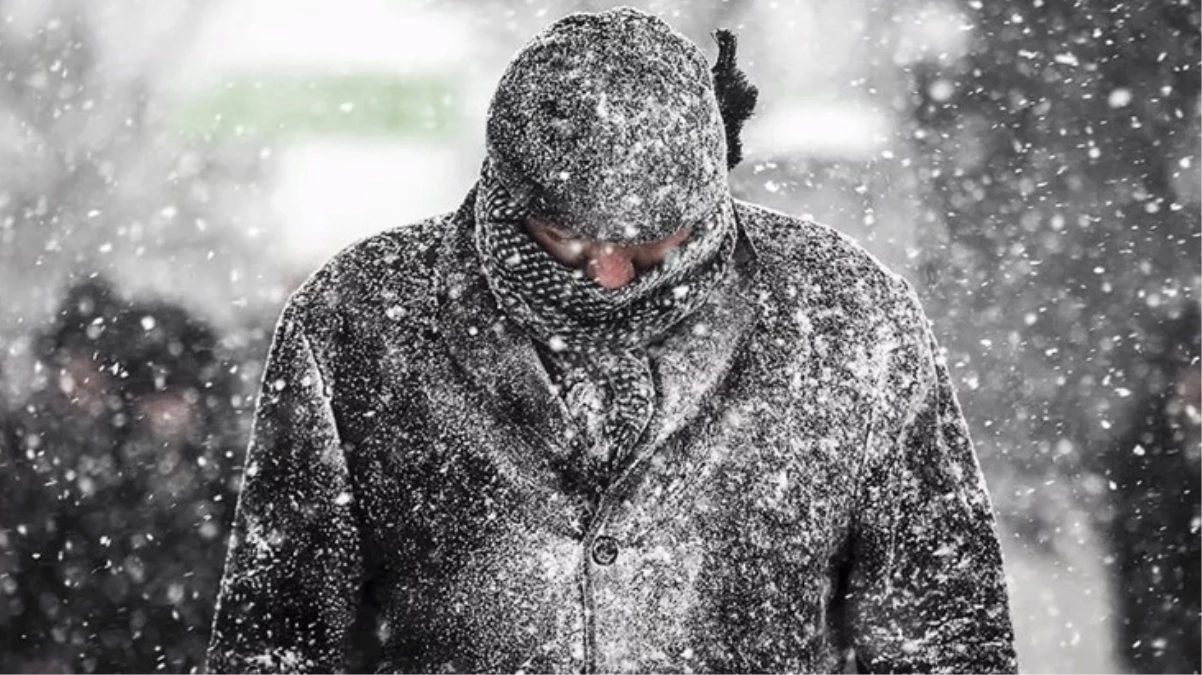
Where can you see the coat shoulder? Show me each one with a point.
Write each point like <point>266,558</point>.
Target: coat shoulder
<point>805,263</point>
<point>392,275</point>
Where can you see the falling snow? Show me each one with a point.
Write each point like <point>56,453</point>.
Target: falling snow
<point>406,476</point>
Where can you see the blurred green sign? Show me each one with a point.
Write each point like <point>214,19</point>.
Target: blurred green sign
<point>413,106</point>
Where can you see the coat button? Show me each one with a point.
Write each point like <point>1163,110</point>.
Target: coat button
<point>605,550</point>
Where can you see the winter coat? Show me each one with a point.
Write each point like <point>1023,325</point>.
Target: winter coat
<point>807,487</point>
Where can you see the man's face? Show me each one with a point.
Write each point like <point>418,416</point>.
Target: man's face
<point>608,264</point>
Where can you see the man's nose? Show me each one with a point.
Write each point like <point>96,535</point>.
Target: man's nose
<point>610,267</point>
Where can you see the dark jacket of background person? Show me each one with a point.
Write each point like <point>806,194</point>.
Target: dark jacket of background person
<point>117,495</point>
<point>815,492</point>
<point>1155,470</point>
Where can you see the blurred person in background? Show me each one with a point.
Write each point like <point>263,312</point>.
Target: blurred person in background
<point>1155,532</point>
<point>117,491</point>
<point>607,418</point>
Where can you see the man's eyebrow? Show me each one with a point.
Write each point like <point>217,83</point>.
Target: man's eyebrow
<point>567,233</point>
<point>553,226</point>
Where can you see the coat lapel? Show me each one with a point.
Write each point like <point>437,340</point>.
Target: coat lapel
<point>492,352</point>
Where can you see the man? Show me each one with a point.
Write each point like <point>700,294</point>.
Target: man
<point>114,494</point>
<point>606,418</point>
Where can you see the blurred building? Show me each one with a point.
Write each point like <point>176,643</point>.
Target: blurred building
<point>358,107</point>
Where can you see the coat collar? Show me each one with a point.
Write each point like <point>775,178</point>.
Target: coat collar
<point>501,360</point>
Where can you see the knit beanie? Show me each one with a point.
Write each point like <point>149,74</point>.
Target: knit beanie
<point>608,125</point>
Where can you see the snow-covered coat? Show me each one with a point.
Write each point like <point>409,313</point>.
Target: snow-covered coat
<point>807,486</point>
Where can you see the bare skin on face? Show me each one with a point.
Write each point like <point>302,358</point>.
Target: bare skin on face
<point>610,265</point>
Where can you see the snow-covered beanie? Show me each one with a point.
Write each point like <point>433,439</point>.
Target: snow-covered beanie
<point>607,125</point>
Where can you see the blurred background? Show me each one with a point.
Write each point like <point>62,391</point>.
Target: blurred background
<point>171,170</point>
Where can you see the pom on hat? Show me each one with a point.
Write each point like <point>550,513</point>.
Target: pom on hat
<point>736,95</point>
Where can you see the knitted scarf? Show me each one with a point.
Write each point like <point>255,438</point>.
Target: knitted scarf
<point>596,338</point>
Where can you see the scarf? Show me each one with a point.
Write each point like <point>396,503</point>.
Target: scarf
<point>596,339</point>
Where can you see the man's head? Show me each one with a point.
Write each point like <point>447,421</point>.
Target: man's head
<point>151,362</point>
<point>603,215</point>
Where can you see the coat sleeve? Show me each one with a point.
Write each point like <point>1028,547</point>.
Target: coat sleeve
<point>293,569</point>
<point>926,588</point>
